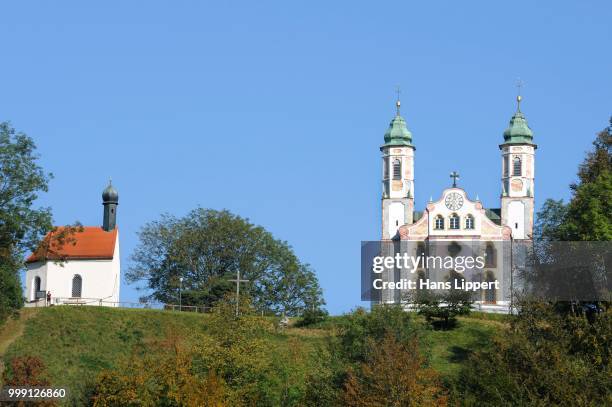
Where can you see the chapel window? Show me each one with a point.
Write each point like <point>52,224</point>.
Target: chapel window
<point>439,223</point>
<point>77,286</point>
<point>397,169</point>
<point>36,286</point>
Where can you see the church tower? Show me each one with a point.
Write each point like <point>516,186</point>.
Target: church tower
<point>397,176</point>
<point>110,200</point>
<point>518,173</point>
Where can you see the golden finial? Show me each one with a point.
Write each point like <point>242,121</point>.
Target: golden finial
<point>398,103</point>
<point>519,98</point>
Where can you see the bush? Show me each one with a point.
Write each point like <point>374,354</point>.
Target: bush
<point>393,375</point>
<point>167,381</point>
<point>544,359</point>
<point>28,371</point>
<point>311,317</point>
<point>361,326</point>
<point>442,308</point>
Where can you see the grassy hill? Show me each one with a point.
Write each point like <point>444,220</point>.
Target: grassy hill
<point>76,343</point>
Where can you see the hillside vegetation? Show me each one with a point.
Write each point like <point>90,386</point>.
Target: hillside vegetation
<point>76,344</point>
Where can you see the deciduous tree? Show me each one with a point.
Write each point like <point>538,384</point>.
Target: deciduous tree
<point>207,248</point>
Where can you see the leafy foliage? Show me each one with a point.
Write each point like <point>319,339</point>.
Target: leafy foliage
<point>235,362</point>
<point>587,217</point>
<point>21,225</point>
<point>393,375</point>
<point>341,362</point>
<point>168,380</point>
<point>443,305</point>
<point>207,248</point>
<point>546,358</point>
<point>28,371</point>
<point>311,317</point>
<point>359,327</point>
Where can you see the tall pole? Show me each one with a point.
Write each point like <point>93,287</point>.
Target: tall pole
<point>180,293</point>
<point>238,292</point>
<point>511,275</point>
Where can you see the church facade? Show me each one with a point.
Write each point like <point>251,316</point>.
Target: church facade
<point>455,217</point>
<point>84,272</point>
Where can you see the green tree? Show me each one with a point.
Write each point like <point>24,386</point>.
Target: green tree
<point>441,307</point>
<point>395,374</point>
<point>207,248</point>
<point>544,358</point>
<point>588,215</point>
<point>21,224</point>
<point>598,160</point>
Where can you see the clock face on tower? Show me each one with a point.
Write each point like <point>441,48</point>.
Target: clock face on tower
<point>453,201</point>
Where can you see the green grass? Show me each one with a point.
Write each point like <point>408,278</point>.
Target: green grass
<point>449,349</point>
<point>76,343</point>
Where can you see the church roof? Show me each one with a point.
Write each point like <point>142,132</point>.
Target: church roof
<point>494,214</point>
<point>91,243</point>
<point>398,134</point>
<point>518,131</point>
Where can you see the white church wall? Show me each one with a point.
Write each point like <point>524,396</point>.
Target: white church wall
<point>101,279</point>
<point>38,269</point>
<point>468,208</point>
<point>98,279</point>
<point>516,219</point>
<point>396,217</point>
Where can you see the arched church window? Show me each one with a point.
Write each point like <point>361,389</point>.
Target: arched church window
<point>516,170</point>
<point>454,221</point>
<point>490,296</point>
<point>36,286</point>
<point>439,223</point>
<point>490,256</point>
<point>77,286</point>
<point>397,169</point>
<point>469,222</point>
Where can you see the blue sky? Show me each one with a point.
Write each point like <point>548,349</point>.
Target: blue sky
<point>276,110</point>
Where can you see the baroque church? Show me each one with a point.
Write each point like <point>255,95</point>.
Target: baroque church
<point>86,271</point>
<point>456,218</point>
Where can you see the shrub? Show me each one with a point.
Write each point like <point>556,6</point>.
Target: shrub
<point>544,359</point>
<point>393,375</point>
<point>311,317</point>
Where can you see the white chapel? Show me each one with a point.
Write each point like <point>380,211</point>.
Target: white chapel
<point>86,271</point>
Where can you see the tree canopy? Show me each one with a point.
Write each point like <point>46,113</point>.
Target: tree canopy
<point>21,225</point>
<point>588,215</point>
<point>207,248</point>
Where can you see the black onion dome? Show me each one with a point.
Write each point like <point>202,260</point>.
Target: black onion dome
<point>110,194</point>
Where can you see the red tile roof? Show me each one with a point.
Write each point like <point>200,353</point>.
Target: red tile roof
<point>92,243</point>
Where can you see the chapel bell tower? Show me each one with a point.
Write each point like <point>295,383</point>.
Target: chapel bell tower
<point>110,200</point>
<point>518,173</point>
<point>397,176</point>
